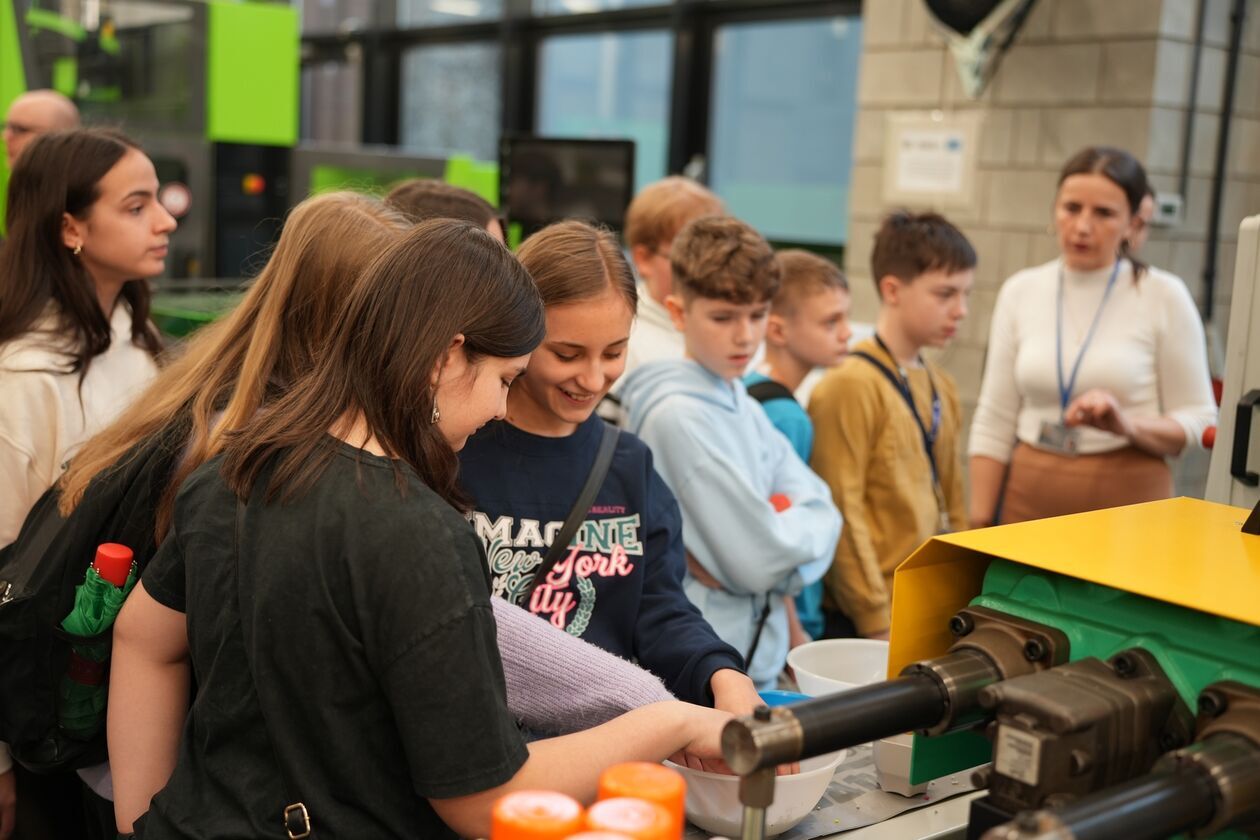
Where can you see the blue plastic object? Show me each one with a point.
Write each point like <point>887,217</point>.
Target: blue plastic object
<point>774,697</point>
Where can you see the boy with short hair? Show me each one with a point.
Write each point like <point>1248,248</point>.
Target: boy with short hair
<point>721,456</point>
<point>653,220</point>
<point>887,424</point>
<point>808,328</point>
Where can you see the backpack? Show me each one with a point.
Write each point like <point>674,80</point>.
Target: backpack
<point>768,390</point>
<point>38,575</point>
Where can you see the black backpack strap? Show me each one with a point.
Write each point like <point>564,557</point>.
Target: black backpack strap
<point>295,816</point>
<point>756,639</point>
<point>586,498</point>
<point>764,392</point>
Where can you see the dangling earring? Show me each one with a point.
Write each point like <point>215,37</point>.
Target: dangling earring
<point>436,415</point>
<point>78,249</point>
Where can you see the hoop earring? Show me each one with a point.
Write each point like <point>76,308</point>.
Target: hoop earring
<point>78,249</point>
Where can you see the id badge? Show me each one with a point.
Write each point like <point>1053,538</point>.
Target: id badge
<point>1058,437</point>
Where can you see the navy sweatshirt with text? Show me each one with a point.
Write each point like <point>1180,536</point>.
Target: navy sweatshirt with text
<point>620,585</point>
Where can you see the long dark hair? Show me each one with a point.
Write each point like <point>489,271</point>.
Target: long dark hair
<point>60,173</point>
<point>1120,168</point>
<point>443,278</point>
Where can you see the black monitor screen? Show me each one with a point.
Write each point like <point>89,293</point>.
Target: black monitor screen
<point>543,180</point>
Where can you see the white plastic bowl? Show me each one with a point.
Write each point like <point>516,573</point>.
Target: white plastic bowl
<point>713,799</point>
<point>833,665</point>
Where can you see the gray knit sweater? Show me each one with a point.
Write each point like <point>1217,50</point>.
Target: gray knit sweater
<point>593,687</point>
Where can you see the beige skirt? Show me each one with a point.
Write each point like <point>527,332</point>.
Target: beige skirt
<point>1042,484</point>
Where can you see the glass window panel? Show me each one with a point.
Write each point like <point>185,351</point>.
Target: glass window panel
<point>577,7</point>
<point>781,132</point>
<point>451,99</point>
<point>609,85</point>
<point>430,12</point>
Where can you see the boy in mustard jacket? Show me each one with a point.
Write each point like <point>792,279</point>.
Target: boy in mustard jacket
<point>887,423</point>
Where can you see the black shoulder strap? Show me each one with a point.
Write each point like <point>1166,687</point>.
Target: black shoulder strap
<point>295,816</point>
<point>595,480</point>
<point>764,392</point>
<point>883,368</point>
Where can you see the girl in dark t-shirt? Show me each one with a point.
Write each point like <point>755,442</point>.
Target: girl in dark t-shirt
<point>338,621</point>
<point>619,585</point>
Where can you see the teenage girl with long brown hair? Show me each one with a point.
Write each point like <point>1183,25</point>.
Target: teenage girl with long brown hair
<point>338,614</point>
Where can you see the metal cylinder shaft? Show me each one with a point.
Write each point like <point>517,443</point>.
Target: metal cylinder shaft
<point>868,714</point>
<point>1148,808</point>
<point>826,724</point>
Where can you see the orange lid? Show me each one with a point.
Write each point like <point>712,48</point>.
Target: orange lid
<point>600,835</point>
<point>535,815</point>
<point>651,782</point>
<point>636,818</point>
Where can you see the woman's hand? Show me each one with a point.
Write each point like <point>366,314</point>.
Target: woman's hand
<point>735,693</point>
<point>1101,410</point>
<point>703,728</point>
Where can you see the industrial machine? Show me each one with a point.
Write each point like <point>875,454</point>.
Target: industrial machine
<point>1102,672</point>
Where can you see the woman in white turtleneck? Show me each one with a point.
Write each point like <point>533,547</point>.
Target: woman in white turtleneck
<point>1097,366</point>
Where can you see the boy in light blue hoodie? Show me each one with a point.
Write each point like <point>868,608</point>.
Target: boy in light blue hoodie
<point>758,524</point>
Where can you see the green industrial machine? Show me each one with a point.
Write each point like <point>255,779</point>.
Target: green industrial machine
<point>210,89</point>
<point>1102,672</point>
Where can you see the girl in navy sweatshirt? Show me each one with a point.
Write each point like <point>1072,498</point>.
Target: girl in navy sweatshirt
<point>619,585</point>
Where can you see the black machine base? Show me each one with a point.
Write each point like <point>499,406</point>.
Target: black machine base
<point>984,816</point>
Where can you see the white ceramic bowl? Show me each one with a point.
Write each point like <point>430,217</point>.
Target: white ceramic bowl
<point>833,665</point>
<point>713,799</point>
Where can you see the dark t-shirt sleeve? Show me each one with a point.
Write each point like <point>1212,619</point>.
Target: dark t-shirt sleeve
<point>460,739</point>
<point>163,578</point>
<point>444,681</point>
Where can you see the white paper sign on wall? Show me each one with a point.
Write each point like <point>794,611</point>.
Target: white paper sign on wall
<point>930,159</point>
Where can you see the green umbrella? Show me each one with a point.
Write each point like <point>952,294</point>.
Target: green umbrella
<point>96,604</point>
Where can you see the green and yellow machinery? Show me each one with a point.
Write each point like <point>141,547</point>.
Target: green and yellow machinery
<point>1102,670</point>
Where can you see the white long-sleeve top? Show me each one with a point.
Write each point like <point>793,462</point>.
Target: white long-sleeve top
<point>46,414</point>
<point>1148,351</point>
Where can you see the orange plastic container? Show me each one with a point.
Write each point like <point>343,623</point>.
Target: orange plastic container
<point>600,835</point>
<point>535,815</point>
<point>636,818</point>
<point>650,782</point>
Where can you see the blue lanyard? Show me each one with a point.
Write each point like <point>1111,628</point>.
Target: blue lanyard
<point>1065,391</point>
<point>902,384</point>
